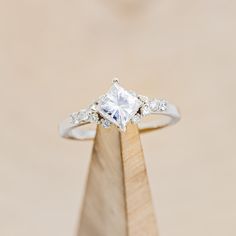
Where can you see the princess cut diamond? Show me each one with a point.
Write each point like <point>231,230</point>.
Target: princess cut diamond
<point>119,106</point>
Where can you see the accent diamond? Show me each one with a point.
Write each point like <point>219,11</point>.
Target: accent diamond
<point>154,105</point>
<point>106,123</point>
<point>93,117</point>
<point>74,118</point>
<point>163,105</point>
<point>93,107</point>
<point>136,119</point>
<point>119,106</point>
<point>83,115</point>
<point>143,98</point>
<point>145,110</point>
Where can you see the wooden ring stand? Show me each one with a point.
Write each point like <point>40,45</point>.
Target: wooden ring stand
<point>117,200</point>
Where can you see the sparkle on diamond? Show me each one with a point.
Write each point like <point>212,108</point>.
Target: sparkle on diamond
<point>119,106</point>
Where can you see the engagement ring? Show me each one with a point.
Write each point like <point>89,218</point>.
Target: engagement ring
<point>119,107</point>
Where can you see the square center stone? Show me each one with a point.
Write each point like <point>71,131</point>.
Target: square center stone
<point>119,106</point>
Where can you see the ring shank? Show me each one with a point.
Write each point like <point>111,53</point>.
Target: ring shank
<point>74,131</point>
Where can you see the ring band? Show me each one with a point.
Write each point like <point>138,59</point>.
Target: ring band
<point>118,107</point>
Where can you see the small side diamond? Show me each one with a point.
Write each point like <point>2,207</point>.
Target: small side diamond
<point>136,119</point>
<point>163,105</point>
<point>93,107</point>
<point>106,123</point>
<point>93,117</point>
<point>145,110</point>
<point>143,98</point>
<point>154,105</point>
<point>83,115</point>
<point>74,118</point>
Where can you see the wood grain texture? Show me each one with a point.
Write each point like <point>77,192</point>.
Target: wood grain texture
<point>140,212</point>
<point>117,198</point>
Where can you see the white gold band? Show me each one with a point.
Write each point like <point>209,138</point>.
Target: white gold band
<point>118,107</point>
<point>73,131</point>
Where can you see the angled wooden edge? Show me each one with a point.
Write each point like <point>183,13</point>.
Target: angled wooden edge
<point>140,211</point>
<point>117,200</point>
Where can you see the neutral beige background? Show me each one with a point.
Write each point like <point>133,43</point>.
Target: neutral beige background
<point>57,56</point>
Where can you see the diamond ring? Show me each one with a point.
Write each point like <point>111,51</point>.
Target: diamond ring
<point>119,107</point>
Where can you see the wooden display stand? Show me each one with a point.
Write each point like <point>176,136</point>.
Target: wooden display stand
<point>117,199</point>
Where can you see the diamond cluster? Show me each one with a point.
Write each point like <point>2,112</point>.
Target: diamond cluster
<point>84,116</point>
<point>154,105</point>
<point>119,106</point>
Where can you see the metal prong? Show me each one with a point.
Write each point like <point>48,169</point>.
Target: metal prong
<point>115,80</point>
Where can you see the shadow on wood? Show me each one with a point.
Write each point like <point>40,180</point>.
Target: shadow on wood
<point>117,200</point>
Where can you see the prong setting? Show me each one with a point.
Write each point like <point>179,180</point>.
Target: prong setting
<point>115,80</point>
<point>119,107</point>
